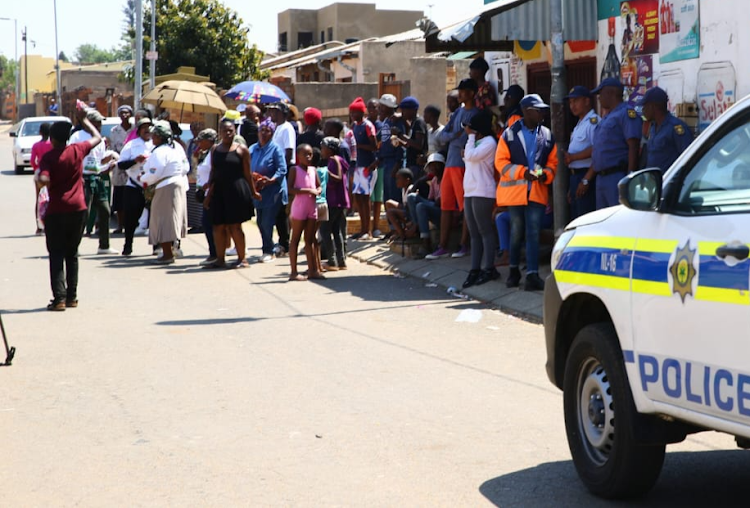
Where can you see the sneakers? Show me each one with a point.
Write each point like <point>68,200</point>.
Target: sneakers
<point>141,232</point>
<point>376,233</point>
<point>471,279</point>
<point>56,306</point>
<point>178,252</point>
<point>514,279</point>
<point>278,251</point>
<point>107,251</point>
<point>439,253</point>
<point>231,252</point>
<point>533,282</point>
<point>207,261</point>
<point>365,237</point>
<point>487,275</point>
<point>164,261</point>
<point>266,258</point>
<point>463,251</point>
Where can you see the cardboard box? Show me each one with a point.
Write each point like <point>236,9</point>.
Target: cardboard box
<point>692,121</point>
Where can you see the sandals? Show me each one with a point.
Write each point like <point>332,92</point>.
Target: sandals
<point>214,266</point>
<point>241,264</point>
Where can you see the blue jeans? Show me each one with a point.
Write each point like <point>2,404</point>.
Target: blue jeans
<point>423,211</point>
<point>586,203</point>
<point>502,222</point>
<point>208,229</point>
<point>526,219</point>
<point>266,218</point>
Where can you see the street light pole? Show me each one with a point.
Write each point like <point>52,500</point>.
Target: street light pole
<point>25,64</point>
<point>57,67</point>
<point>560,184</point>
<point>15,57</point>
<point>138,54</point>
<point>152,61</point>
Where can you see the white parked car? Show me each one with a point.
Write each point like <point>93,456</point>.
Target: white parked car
<point>26,133</point>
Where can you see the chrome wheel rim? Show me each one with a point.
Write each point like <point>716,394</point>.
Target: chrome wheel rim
<point>596,414</point>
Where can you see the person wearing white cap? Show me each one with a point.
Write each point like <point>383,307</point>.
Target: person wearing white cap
<point>427,210</point>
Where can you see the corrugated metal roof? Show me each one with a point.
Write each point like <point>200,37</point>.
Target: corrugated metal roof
<point>462,55</point>
<point>530,21</point>
<point>327,54</point>
<point>497,24</point>
<point>294,55</point>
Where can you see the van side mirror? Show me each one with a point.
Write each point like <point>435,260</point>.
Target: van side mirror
<point>13,134</point>
<point>641,190</point>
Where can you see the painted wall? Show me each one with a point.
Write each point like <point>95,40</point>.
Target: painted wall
<point>723,42</point>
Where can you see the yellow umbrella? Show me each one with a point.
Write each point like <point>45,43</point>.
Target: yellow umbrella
<point>186,95</point>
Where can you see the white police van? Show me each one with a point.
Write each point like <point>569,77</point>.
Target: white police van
<point>647,313</point>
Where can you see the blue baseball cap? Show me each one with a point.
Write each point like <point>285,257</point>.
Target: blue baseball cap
<point>409,103</point>
<point>655,94</point>
<point>578,91</point>
<point>533,101</point>
<point>607,82</point>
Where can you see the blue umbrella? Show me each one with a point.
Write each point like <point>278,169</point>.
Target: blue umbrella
<point>259,92</point>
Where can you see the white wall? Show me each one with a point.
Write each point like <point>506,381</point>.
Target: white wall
<point>723,38</point>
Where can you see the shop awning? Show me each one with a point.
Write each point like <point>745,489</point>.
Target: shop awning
<point>498,24</point>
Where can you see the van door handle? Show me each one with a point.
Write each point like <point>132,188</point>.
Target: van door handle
<point>739,252</point>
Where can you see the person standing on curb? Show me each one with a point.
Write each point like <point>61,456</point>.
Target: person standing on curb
<point>526,159</point>
<point>61,169</point>
<point>578,157</point>
<point>668,136</point>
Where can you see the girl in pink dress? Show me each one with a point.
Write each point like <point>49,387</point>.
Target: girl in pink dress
<point>304,187</point>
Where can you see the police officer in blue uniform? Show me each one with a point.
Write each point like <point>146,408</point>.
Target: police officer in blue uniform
<point>578,156</point>
<point>668,136</point>
<point>617,143</point>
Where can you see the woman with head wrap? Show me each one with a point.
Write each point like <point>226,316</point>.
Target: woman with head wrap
<point>132,157</point>
<point>165,171</point>
<point>230,193</point>
<point>205,141</point>
<point>269,172</point>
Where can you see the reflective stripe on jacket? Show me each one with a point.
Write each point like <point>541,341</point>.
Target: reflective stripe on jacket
<point>511,162</point>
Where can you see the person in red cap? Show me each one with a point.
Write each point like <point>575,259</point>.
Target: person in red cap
<point>362,183</point>
<point>313,134</point>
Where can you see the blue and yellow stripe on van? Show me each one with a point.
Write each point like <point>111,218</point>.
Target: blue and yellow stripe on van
<point>642,265</point>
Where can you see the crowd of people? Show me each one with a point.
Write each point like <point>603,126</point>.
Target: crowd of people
<point>485,177</point>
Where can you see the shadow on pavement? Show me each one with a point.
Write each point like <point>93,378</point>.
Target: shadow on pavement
<point>213,321</point>
<point>711,478</point>
<point>382,288</point>
<point>23,311</point>
<point>13,173</point>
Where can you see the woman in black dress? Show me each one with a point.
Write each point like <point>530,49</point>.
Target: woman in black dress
<point>231,190</point>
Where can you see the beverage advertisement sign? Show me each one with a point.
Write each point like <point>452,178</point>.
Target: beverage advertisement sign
<point>679,28</point>
<point>641,22</point>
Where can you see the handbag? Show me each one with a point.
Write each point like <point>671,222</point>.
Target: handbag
<point>150,190</point>
<point>200,195</point>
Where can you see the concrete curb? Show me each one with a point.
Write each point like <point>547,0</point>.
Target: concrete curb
<point>451,273</point>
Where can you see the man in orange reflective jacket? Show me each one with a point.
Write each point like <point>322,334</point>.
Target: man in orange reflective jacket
<point>526,159</point>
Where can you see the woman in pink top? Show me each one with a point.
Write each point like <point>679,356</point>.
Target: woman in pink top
<point>37,151</point>
<point>141,113</point>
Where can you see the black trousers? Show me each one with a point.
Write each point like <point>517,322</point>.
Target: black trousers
<point>132,206</point>
<point>64,232</point>
<point>282,227</point>
<point>97,199</point>
<point>333,240</point>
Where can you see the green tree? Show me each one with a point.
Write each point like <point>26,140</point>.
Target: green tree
<point>62,57</point>
<point>93,54</point>
<point>206,35</point>
<point>7,73</point>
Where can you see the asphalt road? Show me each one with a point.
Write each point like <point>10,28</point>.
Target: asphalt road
<point>184,387</point>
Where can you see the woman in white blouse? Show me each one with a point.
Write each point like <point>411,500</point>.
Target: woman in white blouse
<point>165,169</point>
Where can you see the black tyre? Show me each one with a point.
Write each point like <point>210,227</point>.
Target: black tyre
<point>600,416</point>
<point>19,169</point>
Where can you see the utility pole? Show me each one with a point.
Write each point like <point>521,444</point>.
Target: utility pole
<point>25,65</point>
<point>152,61</point>
<point>57,67</point>
<point>138,54</point>
<point>561,182</point>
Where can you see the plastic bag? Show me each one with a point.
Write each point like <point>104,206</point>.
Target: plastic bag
<point>42,204</point>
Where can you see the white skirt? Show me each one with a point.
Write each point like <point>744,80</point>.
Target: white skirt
<point>168,215</point>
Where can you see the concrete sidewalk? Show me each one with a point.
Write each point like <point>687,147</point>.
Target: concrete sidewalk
<point>448,272</point>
